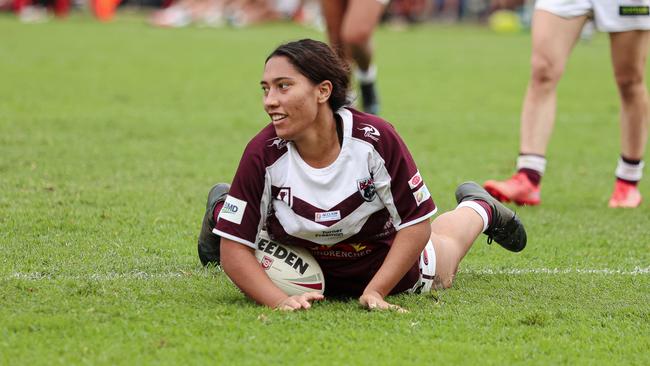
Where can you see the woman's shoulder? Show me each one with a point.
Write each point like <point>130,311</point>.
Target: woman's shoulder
<point>266,145</point>
<point>371,128</point>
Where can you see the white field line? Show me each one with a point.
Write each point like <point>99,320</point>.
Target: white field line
<point>139,275</point>
<point>136,275</point>
<point>557,271</point>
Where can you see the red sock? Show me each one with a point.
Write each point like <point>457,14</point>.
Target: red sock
<point>533,175</point>
<point>628,182</point>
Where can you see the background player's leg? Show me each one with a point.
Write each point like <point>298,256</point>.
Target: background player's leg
<point>553,38</point>
<point>361,19</point>
<point>333,12</point>
<point>629,52</point>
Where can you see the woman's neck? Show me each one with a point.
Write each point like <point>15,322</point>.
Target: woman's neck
<point>319,146</point>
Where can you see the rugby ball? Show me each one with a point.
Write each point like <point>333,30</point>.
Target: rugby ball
<point>293,269</point>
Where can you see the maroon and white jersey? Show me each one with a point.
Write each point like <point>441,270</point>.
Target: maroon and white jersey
<point>347,214</point>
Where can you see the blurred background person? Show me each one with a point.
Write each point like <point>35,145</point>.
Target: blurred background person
<point>557,25</point>
<point>35,11</point>
<point>237,13</point>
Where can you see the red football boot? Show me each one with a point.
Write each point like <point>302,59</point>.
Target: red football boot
<point>518,189</point>
<point>625,195</point>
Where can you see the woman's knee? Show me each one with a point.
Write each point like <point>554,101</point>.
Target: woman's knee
<point>356,35</point>
<point>545,72</point>
<point>630,82</point>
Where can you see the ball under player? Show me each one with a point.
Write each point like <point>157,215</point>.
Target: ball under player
<point>350,25</point>
<point>556,27</point>
<point>343,184</point>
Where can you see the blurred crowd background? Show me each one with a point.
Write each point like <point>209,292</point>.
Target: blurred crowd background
<point>502,15</point>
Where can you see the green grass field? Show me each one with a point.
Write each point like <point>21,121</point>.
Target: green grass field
<point>112,134</point>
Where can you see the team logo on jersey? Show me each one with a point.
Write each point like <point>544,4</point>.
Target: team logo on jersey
<point>415,180</point>
<point>233,210</point>
<point>266,262</point>
<point>277,142</point>
<point>284,195</point>
<point>367,189</point>
<point>370,131</point>
<point>421,195</point>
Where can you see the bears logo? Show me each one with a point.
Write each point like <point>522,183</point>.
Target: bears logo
<point>366,188</point>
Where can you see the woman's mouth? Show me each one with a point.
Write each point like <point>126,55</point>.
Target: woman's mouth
<point>277,117</point>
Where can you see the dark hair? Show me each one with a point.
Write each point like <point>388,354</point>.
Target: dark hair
<point>318,62</point>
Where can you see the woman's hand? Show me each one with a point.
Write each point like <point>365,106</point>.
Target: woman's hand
<point>372,300</point>
<point>297,302</point>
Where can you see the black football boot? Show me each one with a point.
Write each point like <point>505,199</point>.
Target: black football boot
<point>369,98</point>
<point>209,241</point>
<point>506,228</point>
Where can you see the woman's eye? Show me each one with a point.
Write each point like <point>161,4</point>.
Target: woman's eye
<point>283,85</point>
<point>265,89</point>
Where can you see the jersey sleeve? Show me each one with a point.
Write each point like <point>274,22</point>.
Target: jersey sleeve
<point>240,217</point>
<point>399,182</point>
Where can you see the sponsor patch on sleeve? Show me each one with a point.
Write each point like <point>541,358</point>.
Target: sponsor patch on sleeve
<point>415,180</point>
<point>233,210</point>
<point>421,195</point>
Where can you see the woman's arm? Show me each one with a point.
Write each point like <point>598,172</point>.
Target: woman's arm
<point>240,264</point>
<point>405,250</point>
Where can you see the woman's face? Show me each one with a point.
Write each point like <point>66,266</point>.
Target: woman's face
<point>290,98</point>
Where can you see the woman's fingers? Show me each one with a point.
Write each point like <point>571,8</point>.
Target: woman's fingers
<point>375,302</point>
<point>297,302</point>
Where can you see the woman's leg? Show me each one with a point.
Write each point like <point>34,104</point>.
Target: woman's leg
<point>454,232</point>
<point>359,23</point>
<point>553,38</point>
<point>629,52</point>
<point>361,19</point>
<point>333,12</point>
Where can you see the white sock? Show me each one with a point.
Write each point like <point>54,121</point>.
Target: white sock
<point>368,76</point>
<point>630,172</point>
<point>534,162</point>
<point>479,210</point>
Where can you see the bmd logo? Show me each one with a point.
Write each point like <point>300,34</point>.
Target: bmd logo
<point>230,208</point>
<point>233,210</point>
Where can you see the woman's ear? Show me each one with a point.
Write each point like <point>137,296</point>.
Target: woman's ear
<point>324,91</point>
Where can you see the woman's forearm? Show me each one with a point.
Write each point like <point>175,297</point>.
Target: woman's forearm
<point>240,264</point>
<point>404,252</point>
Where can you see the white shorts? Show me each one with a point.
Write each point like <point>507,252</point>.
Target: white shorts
<point>427,270</point>
<point>609,15</point>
